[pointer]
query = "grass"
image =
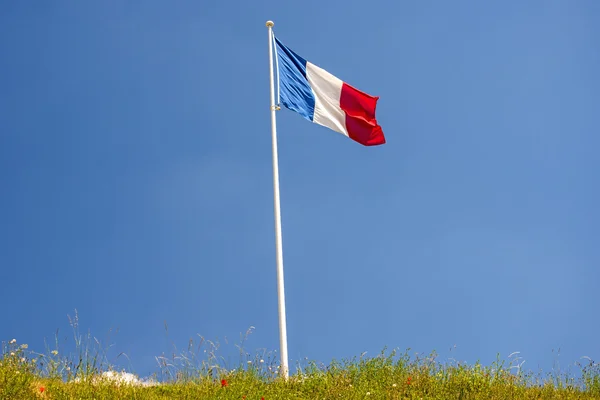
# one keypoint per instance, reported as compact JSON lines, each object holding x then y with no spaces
{"x":199,"y":373}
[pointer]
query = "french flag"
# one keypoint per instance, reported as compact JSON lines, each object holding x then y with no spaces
{"x":325,"y":99}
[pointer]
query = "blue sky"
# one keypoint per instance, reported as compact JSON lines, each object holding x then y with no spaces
{"x":135,"y":166}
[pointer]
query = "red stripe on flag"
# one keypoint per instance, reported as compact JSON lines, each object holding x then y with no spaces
{"x":360,"y":116}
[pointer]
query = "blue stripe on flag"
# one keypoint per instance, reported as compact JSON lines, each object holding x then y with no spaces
{"x":294,"y":91}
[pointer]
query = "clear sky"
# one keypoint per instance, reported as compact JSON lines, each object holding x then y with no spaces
{"x":136,"y":186}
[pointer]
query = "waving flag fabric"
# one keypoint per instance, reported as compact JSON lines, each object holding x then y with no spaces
{"x":325,"y":99}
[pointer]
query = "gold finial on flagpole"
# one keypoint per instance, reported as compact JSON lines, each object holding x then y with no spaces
{"x":270,"y":24}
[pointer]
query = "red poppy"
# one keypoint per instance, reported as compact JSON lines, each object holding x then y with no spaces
{"x":408,"y":381}
{"x":223,"y":383}
{"x":42,"y":389}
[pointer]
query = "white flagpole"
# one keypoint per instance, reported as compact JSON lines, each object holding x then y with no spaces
{"x":280,"y":288}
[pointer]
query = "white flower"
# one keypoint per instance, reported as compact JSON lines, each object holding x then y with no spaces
{"x":262,"y":361}
{"x":249,"y":362}
{"x":12,"y":353}
{"x":24,"y":346}
{"x":55,"y":352}
{"x":368,"y":393}
{"x":394,"y":385}
{"x":23,"y":359}
{"x":13,"y":341}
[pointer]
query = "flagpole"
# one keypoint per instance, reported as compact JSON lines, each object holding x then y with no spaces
{"x":277,"y":208}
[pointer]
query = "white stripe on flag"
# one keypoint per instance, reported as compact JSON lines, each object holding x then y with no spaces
{"x":327,"y":90}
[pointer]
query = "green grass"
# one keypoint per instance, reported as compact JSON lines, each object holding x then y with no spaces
{"x":199,"y":373}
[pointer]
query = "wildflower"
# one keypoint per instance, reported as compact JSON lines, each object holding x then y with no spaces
{"x":262,"y":361}
{"x":223,"y":382}
{"x":408,"y":381}
{"x":55,"y":352}
{"x":22,"y":359}
{"x":24,"y":346}
{"x":13,"y":341}
{"x":394,"y":385}
{"x":249,"y":362}
{"x":368,"y":393}
{"x":34,"y":361}
{"x":12,"y":353}
{"x":42,"y":389}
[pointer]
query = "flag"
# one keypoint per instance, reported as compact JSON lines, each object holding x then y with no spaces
{"x":325,"y":99}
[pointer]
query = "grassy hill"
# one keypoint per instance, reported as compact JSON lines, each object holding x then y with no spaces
{"x":87,"y":375}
